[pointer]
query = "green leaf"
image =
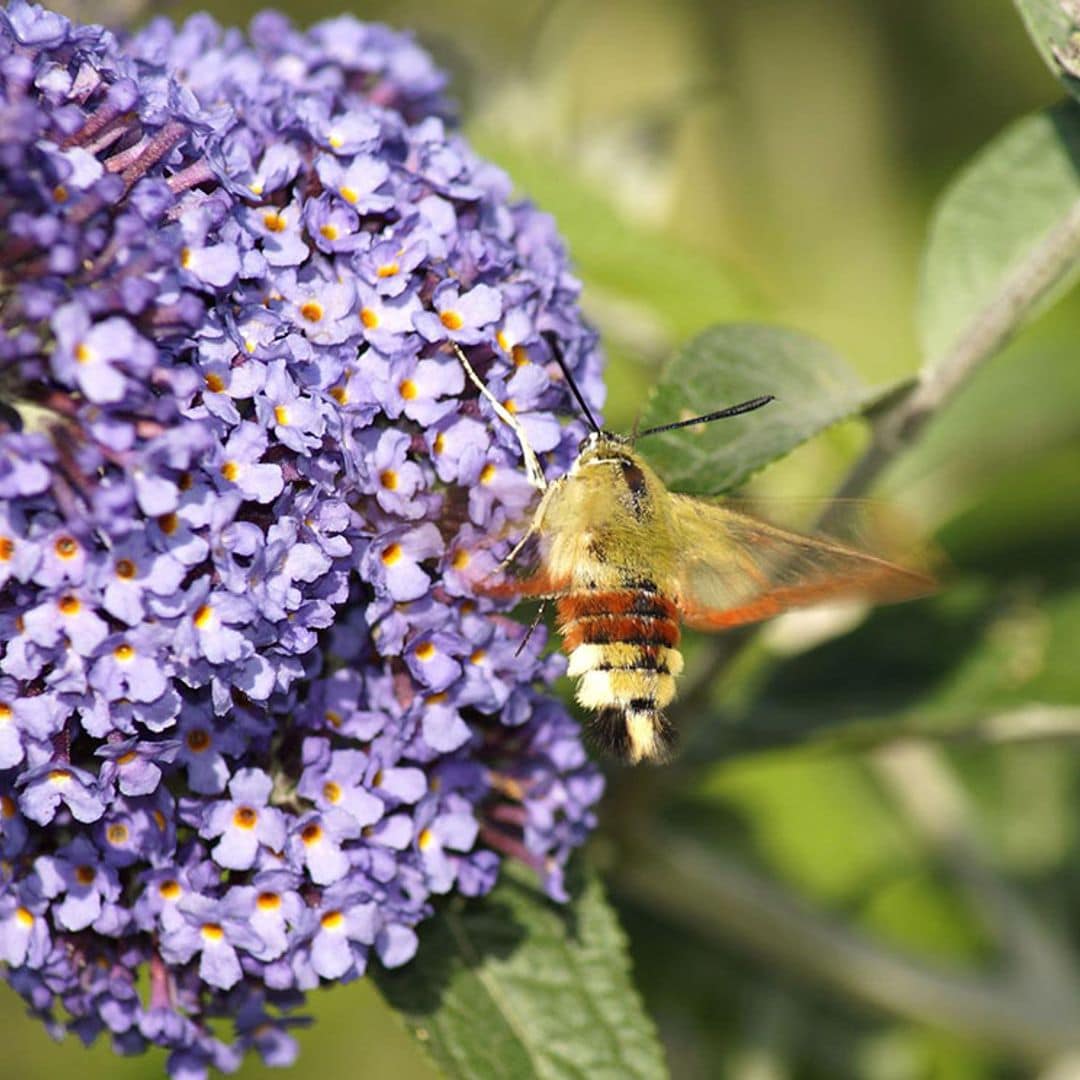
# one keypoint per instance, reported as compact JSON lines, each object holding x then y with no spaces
{"x":813,"y":386}
{"x":515,"y":986}
{"x":1051,"y":28}
{"x":991,"y":224}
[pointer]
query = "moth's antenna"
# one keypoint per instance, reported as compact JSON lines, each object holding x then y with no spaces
{"x":557,"y":353}
{"x":532,"y":464}
{"x":721,"y":414}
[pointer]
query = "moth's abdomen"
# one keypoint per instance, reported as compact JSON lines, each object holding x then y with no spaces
{"x":622,"y":646}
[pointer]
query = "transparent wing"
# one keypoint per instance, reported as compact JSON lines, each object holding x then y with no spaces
{"x":734,"y":569}
{"x":506,"y":562}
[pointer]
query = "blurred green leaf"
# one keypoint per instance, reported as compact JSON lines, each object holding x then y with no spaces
{"x":992,"y":218}
{"x":515,"y":985}
{"x":1050,"y":27}
{"x":814,"y":389}
{"x":637,"y":276}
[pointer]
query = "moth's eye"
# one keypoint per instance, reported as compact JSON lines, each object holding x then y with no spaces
{"x":634,"y":477}
{"x":583,"y":445}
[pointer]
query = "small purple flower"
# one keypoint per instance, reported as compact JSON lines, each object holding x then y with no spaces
{"x":335,"y":779}
{"x":396,"y":944}
{"x":204,"y":748}
{"x":133,"y":765}
{"x":316,"y":844}
{"x":14,"y":831}
{"x":439,"y":835}
{"x":216,"y":931}
{"x":346,"y":928}
{"x":24,"y":719}
{"x":345,"y":133}
{"x":296,"y":419}
{"x":245,"y":822}
{"x":207,"y":626}
{"x":323,"y":310}
{"x":357,"y":183}
{"x":280,"y":231}
{"x":132,"y":666}
{"x":433,"y":661}
{"x":277,"y":909}
{"x":130,"y":572}
{"x":333,"y":226}
{"x":443,"y":728}
{"x":240,"y":465}
{"x":422,"y":389}
{"x":388,"y":266}
{"x":77,"y":874}
{"x":467,"y":318}
{"x":47,"y":787}
{"x":394,"y":478}
{"x":393,"y":563}
{"x":69,"y":616}
{"x":24,"y":929}
{"x":387,"y":321}
{"x":93,"y":357}
{"x":137,"y":829}
{"x":214,"y":264}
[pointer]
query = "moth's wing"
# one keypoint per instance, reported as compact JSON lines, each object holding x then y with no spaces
{"x":732,"y":568}
{"x":509,"y":561}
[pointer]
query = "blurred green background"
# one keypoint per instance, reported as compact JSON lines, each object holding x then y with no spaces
{"x":777,"y":160}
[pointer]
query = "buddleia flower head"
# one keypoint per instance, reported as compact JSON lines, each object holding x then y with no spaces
{"x":253,"y":720}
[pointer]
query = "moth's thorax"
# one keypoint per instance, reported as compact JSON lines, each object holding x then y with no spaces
{"x":606,"y":523}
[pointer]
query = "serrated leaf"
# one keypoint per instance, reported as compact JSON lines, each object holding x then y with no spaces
{"x":1051,"y":27}
{"x":813,"y":386}
{"x":516,"y":986}
{"x":992,"y":222}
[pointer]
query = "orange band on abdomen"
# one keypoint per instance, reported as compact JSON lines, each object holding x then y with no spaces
{"x":616,"y":602}
{"x":623,"y":629}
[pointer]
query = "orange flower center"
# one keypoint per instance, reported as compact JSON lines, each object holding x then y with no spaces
{"x":332,"y":920}
{"x":66,"y":547}
{"x":198,"y":740}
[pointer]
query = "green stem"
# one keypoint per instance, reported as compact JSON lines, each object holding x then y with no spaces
{"x":897,"y":427}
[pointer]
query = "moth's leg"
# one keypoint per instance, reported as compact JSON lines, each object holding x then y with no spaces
{"x":532,"y":627}
{"x":532,"y":464}
{"x":534,"y":525}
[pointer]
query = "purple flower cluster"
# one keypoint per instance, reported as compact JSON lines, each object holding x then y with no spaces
{"x":252,"y":717}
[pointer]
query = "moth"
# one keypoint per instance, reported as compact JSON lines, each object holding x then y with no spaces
{"x":628,"y":563}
